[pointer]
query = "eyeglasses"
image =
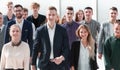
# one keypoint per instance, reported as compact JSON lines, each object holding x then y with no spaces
{"x":17,"y":10}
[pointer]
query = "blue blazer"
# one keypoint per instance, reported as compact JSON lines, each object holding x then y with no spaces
{"x":42,"y":44}
{"x":27,"y":33}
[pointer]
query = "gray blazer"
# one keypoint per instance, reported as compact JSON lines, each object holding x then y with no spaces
{"x":103,"y":35}
{"x":2,"y":34}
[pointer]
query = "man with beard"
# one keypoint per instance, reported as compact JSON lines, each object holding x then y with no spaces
{"x":26,"y":27}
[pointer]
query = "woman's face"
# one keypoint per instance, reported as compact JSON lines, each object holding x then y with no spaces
{"x":15,"y":33}
{"x":83,"y":33}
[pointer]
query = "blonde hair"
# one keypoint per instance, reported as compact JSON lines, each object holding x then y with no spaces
{"x":90,"y":40}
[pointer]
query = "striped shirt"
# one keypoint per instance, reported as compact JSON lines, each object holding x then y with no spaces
{"x":94,"y":27}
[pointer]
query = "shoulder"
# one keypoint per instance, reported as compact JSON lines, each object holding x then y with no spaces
{"x":76,"y":43}
{"x":25,"y":44}
{"x":40,"y":15}
{"x":42,"y":27}
{"x":95,"y":22}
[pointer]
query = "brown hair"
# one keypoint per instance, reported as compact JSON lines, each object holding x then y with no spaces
{"x":76,"y":15}
{"x":52,"y":8}
{"x":34,"y":4}
{"x":90,"y":40}
{"x":25,"y":9}
{"x":70,"y":8}
{"x":10,"y":3}
{"x":114,"y":8}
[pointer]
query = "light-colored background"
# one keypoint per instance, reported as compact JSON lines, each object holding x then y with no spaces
{"x":100,"y":9}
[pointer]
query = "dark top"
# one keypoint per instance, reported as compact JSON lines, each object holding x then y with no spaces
{"x":112,"y":53}
{"x":27,"y":33}
{"x":42,"y":44}
{"x":75,"y":56}
{"x":40,"y":20}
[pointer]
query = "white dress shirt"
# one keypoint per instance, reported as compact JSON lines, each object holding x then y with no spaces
{"x":83,"y":63}
{"x":51,"y":33}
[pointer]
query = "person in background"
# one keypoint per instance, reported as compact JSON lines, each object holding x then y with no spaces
{"x":36,"y":18}
{"x":63,"y":20}
{"x":106,"y":30}
{"x":52,"y":42}
{"x":70,"y":25}
{"x":25,"y":26}
{"x":16,"y":53}
{"x":25,"y":15}
{"x":79,"y":17}
{"x":112,"y":49}
{"x":10,"y":15}
{"x":83,"y":52}
{"x":2,"y":32}
{"x":93,"y":25}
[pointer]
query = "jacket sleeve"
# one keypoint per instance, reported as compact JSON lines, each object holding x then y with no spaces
{"x":107,"y":54}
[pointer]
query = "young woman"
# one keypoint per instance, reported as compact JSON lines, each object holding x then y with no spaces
{"x":16,"y":53}
{"x":83,"y":51}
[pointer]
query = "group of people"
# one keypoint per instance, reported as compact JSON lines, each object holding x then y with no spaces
{"x":69,"y":45}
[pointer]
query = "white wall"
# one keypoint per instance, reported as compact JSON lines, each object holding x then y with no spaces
{"x":103,"y":9}
{"x":59,"y":4}
{"x":100,"y":7}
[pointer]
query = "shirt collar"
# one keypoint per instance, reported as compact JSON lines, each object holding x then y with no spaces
{"x":53,"y":27}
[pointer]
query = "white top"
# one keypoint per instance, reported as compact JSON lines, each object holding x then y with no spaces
{"x":20,"y":24}
{"x":83,"y":58}
{"x":51,"y":33}
{"x":1,"y":27}
{"x":111,"y":29}
{"x":15,"y":57}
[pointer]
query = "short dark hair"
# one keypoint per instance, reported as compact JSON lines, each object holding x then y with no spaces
{"x":88,"y":8}
{"x":114,"y":8}
{"x":52,"y":8}
{"x":18,"y":5}
{"x":1,"y":13}
{"x":70,"y":8}
{"x":117,"y":21}
{"x":25,"y":9}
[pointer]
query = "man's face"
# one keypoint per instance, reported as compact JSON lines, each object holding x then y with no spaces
{"x":51,"y":15}
{"x":117,"y":30}
{"x":18,"y":12}
{"x":10,"y":7}
{"x":113,"y":14}
{"x":69,"y":15}
{"x":35,"y":10}
{"x":88,"y":13}
{"x":25,"y":14}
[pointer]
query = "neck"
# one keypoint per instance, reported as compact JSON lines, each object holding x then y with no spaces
{"x":84,"y":42}
{"x":113,"y":21}
{"x":51,"y":24}
{"x":88,"y":20}
{"x":35,"y":15}
{"x":19,"y":20}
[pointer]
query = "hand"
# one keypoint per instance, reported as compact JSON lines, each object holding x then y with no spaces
{"x":30,"y":60}
{"x":33,"y":67}
{"x":112,"y":69}
{"x":58,"y":60}
{"x":99,"y":55}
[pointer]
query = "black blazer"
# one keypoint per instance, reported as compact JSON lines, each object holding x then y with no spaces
{"x":27,"y":33}
{"x":42,"y":44}
{"x":75,"y":56}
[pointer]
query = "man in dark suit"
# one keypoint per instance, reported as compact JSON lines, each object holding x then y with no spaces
{"x":26,"y":27}
{"x":52,"y":42}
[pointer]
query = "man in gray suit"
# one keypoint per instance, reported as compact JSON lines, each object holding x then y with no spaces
{"x":106,"y":30}
{"x":2,"y":30}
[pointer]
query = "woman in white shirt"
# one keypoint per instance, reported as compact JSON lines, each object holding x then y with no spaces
{"x":16,"y":53}
{"x":83,"y":51}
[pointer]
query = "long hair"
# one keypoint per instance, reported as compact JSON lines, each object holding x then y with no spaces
{"x":90,"y":40}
